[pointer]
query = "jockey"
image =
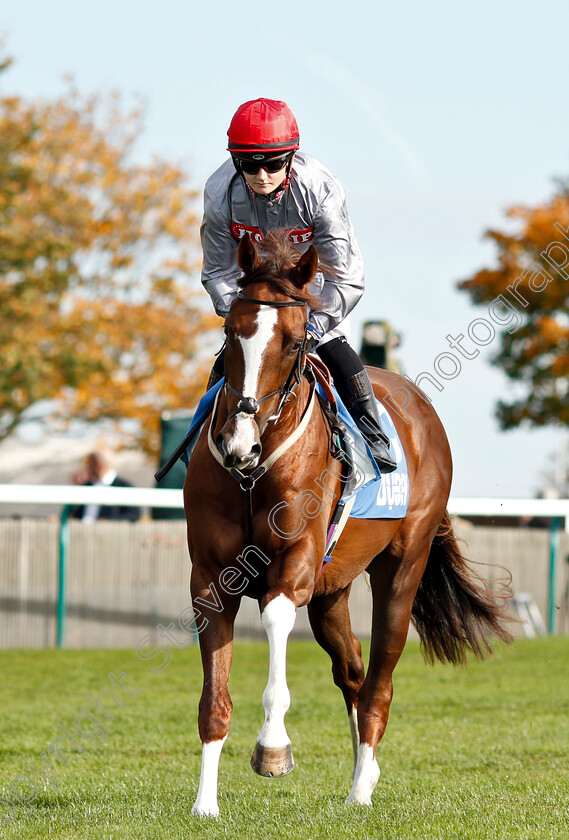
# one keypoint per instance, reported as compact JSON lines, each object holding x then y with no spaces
{"x":268,"y":184}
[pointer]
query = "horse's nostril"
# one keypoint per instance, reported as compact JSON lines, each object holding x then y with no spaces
{"x":256,"y":449}
{"x":219,"y":442}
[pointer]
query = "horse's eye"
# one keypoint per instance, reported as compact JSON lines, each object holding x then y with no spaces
{"x":296,"y":346}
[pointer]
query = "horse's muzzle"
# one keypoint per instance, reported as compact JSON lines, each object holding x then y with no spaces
{"x":234,"y":455}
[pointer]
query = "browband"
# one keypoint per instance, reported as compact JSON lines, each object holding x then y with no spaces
{"x":276,"y":304}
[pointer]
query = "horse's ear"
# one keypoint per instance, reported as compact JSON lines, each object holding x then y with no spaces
{"x":247,"y":257}
{"x":305,"y":268}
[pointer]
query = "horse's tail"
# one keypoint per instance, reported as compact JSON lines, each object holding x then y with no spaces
{"x":454,"y":608}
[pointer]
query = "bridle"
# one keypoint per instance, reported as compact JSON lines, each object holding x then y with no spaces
{"x":250,"y":405}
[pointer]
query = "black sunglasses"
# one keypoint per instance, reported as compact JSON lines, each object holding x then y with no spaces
{"x":272,"y":166}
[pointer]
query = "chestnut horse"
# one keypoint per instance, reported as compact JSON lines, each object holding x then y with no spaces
{"x":266,"y":409}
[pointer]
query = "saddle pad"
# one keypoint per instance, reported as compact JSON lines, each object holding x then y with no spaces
{"x":387,"y":495}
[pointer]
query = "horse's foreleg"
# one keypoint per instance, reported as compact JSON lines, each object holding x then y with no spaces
{"x":394,"y":582}
{"x":206,"y":800}
{"x":272,"y":755}
{"x":216,"y":645}
{"x":330,"y":621}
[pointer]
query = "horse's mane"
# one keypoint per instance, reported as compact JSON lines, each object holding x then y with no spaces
{"x":279,"y":254}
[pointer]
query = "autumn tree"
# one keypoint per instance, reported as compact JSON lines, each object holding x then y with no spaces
{"x":531,"y":276}
{"x":98,"y":255}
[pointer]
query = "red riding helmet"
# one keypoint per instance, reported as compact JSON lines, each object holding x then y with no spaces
{"x":263,"y":125}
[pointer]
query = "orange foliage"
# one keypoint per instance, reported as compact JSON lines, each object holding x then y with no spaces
{"x":535,"y":280}
{"x":98,"y":257}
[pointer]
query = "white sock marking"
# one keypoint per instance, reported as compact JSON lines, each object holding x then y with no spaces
{"x":206,"y":800}
{"x":353,"y":719}
{"x":365,"y":777}
{"x":278,"y":620}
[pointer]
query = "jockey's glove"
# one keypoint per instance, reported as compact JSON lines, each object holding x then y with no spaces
{"x":313,"y":337}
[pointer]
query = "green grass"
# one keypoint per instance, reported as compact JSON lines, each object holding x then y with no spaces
{"x":479,"y":752}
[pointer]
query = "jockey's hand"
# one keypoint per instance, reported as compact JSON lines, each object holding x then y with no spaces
{"x":313,"y":337}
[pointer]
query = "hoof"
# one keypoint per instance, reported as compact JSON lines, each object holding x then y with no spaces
{"x":272,"y":761}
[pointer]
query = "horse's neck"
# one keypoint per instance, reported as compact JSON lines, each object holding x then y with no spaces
{"x":292,"y":414}
{"x":315,"y":437}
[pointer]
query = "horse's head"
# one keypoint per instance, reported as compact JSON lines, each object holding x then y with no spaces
{"x":265,"y":339}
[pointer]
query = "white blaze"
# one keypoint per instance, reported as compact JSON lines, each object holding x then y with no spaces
{"x":243,"y":438}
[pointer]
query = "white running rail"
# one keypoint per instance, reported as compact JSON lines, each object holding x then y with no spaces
{"x":63,"y":494}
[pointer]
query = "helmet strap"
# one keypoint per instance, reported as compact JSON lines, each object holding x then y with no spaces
{"x":289,"y":167}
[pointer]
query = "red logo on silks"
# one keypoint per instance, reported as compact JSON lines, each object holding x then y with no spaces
{"x":300,"y":236}
{"x":238,"y":231}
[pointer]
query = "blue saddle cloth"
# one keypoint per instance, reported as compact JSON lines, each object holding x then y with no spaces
{"x":381,"y":496}
{"x":378,"y":496}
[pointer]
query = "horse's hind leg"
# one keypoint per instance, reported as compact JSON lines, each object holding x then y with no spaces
{"x":394,"y":581}
{"x":330,"y":621}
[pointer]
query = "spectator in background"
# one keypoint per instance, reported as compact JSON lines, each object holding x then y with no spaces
{"x":99,"y":471}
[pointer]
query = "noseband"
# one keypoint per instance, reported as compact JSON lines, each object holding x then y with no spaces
{"x":250,"y":405}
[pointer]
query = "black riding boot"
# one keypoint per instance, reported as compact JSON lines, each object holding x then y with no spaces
{"x":217,"y":370}
{"x":363,"y":409}
{"x":214,"y":378}
{"x":355,"y":389}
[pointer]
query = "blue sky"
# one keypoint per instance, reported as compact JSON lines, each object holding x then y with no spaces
{"x":435,"y":117}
